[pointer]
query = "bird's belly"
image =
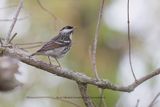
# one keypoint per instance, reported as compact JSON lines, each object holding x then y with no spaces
{"x":57,"y":53}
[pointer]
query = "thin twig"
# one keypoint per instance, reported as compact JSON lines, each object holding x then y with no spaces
{"x":94,"y":49}
{"x":61,"y":97}
{"x":30,"y":43}
{"x":12,"y":37}
{"x":94,"y":46}
{"x":24,"y":56}
{"x":83,"y":91}
{"x":129,"y":41}
{"x":49,"y":12}
{"x":102,"y":98}
{"x":154,"y":100}
{"x":46,"y":10}
{"x":54,"y":98}
{"x":6,"y":7}
{"x":137,"y":104}
{"x":20,"y":5}
{"x":30,"y":47}
{"x":19,"y":19}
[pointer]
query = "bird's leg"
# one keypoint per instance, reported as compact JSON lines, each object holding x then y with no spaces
{"x":49,"y":60}
{"x":59,"y":65}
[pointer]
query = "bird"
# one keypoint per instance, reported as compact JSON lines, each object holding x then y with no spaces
{"x":58,"y":46}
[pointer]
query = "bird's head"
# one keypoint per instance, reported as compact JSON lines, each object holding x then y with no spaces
{"x":67,"y":30}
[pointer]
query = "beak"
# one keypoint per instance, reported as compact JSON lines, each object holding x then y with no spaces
{"x":74,"y":27}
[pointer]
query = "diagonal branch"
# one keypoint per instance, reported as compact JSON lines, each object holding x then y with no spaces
{"x":83,"y":91}
{"x":23,"y":56}
{"x":154,"y":100}
{"x":46,"y":10}
{"x":55,"y":18}
{"x":20,"y":5}
{"x":12,"y":37}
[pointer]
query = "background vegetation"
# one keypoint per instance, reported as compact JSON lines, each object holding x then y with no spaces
{"x":112,"y":50}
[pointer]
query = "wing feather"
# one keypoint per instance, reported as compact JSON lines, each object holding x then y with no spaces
{"x":53,"y":44}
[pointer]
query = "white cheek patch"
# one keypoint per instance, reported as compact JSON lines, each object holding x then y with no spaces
{"x":66,"y":30}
